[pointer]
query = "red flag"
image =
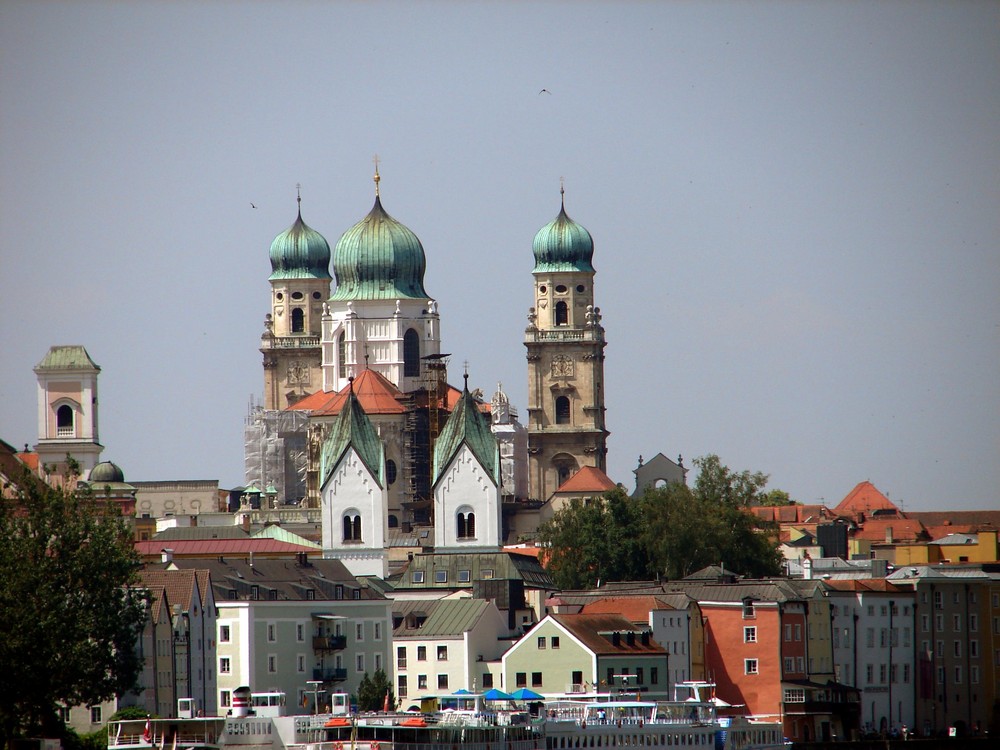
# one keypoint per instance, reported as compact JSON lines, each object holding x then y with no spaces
{"x":147,"y":733}
{"x":385,"y":703}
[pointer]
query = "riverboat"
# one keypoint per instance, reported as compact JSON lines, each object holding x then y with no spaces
{"x":468,"y":723}
{"x":624,"y":720}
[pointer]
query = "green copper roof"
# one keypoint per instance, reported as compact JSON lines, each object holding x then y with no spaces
{"x":67,"y":358}
{"x":300,"y":252}
{"x":467,"y":425}
{"x":563,"y":245}
{"x":379,"y":258}
{"x":352,"y":429}
{"x":106,"y":472}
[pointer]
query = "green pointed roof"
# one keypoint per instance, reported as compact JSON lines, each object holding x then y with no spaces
{"x":467,"y":425}
{"x":563,"y":245}
{"x":353,"y":429}
{"x":300,"y":252}
{"x":379,"y":259}
{"x":67,"y":358}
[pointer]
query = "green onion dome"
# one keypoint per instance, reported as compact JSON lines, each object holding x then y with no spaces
{"x":563,"y":245}
{"x":300,"y":252}
{"x":106,"y":472}
{"x":379,"y":258}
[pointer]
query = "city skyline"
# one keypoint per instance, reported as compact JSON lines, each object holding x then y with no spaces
{"x":793,"y":210}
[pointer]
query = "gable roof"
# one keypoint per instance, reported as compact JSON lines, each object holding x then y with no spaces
{"x":864,"y":498}
{"x":903,"y":530}
{"x":467,"y":426}
{"x":588,"y":479}
{"x":180,"y":586}
{"x":590,"y":630}
{"x":354,"y":430}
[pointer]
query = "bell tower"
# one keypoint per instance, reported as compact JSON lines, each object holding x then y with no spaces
{"x":300,"y":285}
{"x":565,"y":343}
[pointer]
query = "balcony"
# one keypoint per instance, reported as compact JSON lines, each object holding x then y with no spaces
{"x":296,"y":341}
{"x":330,"y":675}
{"x":329,"y":642}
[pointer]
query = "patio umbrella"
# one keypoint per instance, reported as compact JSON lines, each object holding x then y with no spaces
{"x":461,"y":691}
{"x":496,"y":695}
{"x":523,"y":694}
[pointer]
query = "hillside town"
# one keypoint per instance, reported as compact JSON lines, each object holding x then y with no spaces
{"x":389,"y":523}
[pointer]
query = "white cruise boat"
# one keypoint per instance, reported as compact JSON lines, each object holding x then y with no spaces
{"x":624,"y":720}
{"x":256,"y":726}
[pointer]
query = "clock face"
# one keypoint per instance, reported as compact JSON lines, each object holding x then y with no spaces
{"x":297,"y":373}
{"x":562,"y":366}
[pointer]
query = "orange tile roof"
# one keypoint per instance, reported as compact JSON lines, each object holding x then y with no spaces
{"x":635,"y":609}
{"x":375,"y":393}
{"x":588,"y":479}
{"x":589,"y":629}
{"x":28,"y":459}
{"x":216,"y":547}
{"x":903,"y":530}
{"x":864,"y":498}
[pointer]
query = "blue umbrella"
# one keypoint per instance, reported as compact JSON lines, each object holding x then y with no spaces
{"x":523,"y":694}
{"x":496,"y":695}
{"x":461,"y":691}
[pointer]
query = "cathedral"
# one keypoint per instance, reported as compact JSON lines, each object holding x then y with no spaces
{"x":359,"y":418}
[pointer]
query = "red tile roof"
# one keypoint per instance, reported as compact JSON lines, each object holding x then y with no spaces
{"x":864,"y":498}
{"x":903,"y":530}
{"x":589,"y":629}
{"x":223,"y":547}
{"x":635,"y":609}
{"x":28,"y":459}
{"x":588,"y":479}
{"x":376,"y":394}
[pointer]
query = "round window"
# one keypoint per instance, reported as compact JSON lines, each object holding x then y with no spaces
{"x":560,"y":289}
{"x":542,"y":289}
{"x":579,"y":288}
{"x":316,"y":295}
{"x":296,"y":295}
{"x":280,"y":296}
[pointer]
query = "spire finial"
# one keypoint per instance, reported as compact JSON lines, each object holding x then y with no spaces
{"x":298,"y":196}
{"x":366,"y":356}
{"x":562,"y":192}
{"x":350,"y":384}
{"x":376,"y":178}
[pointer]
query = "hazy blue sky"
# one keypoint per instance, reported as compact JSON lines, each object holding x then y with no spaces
{"x":795,"y":209}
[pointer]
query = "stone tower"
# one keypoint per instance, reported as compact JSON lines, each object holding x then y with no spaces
{"x":565,"y":343}
{"x":67,"y":410}
{"x":300,"y":284}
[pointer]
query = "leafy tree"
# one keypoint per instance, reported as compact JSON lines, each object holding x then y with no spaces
{"x":711,"y":523}
{"x":672,"y":531}
{"x":372,"y":692}
{"x":594,"y":541}
{"x":70,"y":620}
{"x":777,"y":498}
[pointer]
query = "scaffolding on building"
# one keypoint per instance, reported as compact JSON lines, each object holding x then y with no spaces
{"x":275,"y":453}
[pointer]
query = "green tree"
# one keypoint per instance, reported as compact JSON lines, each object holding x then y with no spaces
{"x":777,"y":498}
{"x":710,"y":523}
{"x":69,"y":617}
{"x":595,"y":541}
{"x":372,"y":692}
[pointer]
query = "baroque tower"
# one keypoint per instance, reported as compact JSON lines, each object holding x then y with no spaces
{"x":565,"y":343}
{"x":67,"y":410}
{"x":300,"y":284}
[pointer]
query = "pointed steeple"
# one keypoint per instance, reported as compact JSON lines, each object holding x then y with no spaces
{"x":469,"y":426}
{"x":353,"y":429}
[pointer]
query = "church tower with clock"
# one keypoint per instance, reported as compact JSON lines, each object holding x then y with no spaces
{"x":300,"y":285}
{"x":565,"y":343}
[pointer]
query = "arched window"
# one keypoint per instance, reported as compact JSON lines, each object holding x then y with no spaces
{"x":562,"y":314}
{"x":342,"y":355}
{"x":352,"y":528}
{"x":467,"y":525}
{"x":390,"y":471}
{"x":393,"y":522}
{"x":64,"y":421}
{"x":562,"y":410}
{"x":298,"y":320}
{"x":411,"y":354}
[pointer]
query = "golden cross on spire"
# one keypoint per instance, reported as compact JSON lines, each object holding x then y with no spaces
{"x":377,"y":178}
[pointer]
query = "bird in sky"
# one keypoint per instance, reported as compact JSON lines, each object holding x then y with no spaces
{"x":544,"y":91}
{"x":252,"y":205}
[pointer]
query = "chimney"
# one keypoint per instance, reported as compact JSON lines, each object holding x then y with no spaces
{"x":166,"y":555}
{"x":807,"y":568}
{"x":251,"y":558}
{"x":888,"y":534}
